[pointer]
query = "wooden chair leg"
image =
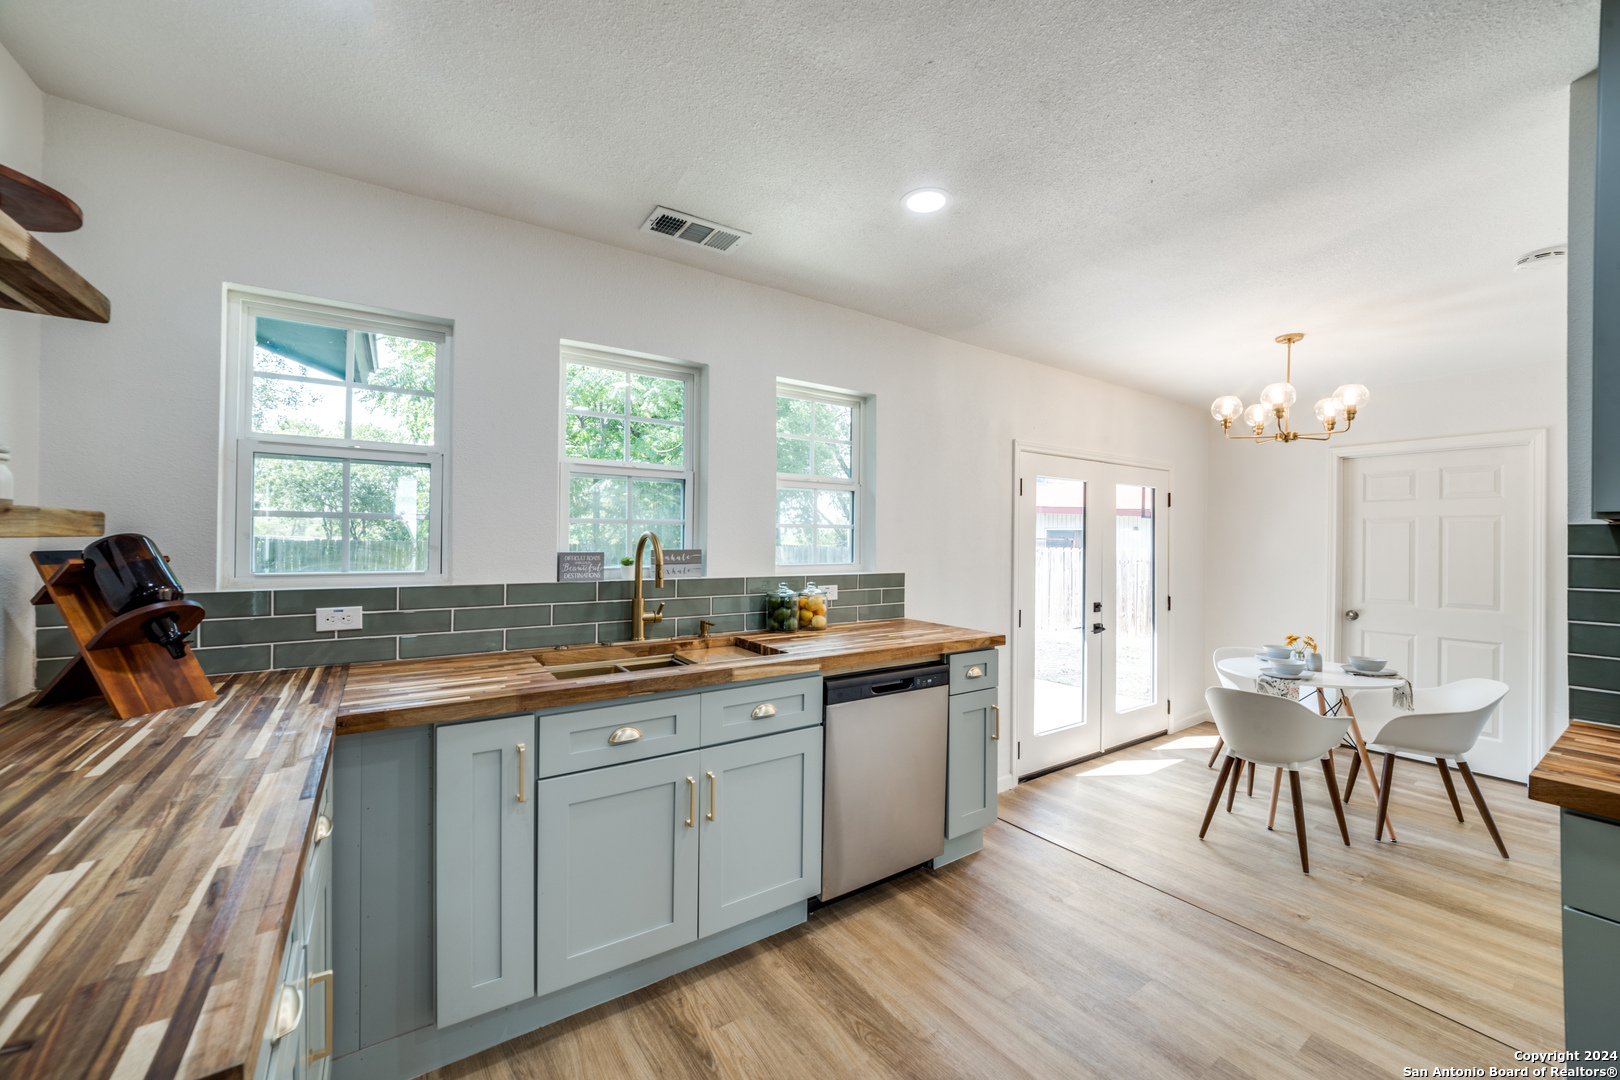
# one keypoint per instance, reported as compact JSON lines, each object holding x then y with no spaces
{"x":1383,"y":797}
{"x":1276,"y":789}
{"x":1333,"y":793}
{"x":1219,"y":743}
{"x":1299,"y":818}
{"x":1451,"y":789}
{"x":1251,"y":779}
{"x":1479,"y":801}
{"x":1237,"y":774}
{"x":1215,"y":797}
{"x":1350,"y":781}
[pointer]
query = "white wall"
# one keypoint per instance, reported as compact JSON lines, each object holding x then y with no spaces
{"x":22,"y":118}
{"x":1268,"y":566}
{"x":131,"y":409}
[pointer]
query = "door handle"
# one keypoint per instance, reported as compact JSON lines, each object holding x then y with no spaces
{"x":521,"y":770}
{"x":712,"y":786}
{"x":1097,"y":628}
{"x":691,"y":806}
{"x":326,"y":978}
{"x":997,"y":710}
{"x":289,"y":1011}
{"x":1352,"y":614}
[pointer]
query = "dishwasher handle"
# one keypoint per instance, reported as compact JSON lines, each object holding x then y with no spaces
{"x":879,"y":689}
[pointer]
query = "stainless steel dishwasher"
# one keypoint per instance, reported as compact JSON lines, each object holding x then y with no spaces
{"x":884,"y":805}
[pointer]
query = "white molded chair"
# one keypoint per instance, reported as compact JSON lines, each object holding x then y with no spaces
{"x":1232,"y":682}
{"x":1445,"y":723}
{"x":1276,"y":733}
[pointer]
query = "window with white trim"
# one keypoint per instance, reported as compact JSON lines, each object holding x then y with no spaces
{"x":336,"y":441}
{"x":630,"y":450}
{"x":818,"y":477}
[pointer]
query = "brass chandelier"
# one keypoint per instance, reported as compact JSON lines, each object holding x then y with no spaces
{"x":1278,"y":398}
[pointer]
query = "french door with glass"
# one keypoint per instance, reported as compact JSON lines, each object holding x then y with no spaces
{"x":1089,"y":583}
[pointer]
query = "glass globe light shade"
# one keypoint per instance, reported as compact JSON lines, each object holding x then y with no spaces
{"x":1256,"y":416}
{"x":1352,"y":395}
{"x":1329,"y":410}
{"x":1279,"y":393}
{"x":1226,"y":409}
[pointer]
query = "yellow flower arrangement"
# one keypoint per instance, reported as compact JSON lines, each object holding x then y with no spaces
{"x":1297,"y":640}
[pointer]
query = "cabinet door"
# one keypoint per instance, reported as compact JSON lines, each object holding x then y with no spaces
{"x":484,"y":800}
{"x":618,"y":856}
{"x":1591,"y":982}
{"x":317,"y":899}
{"x":970,"y":788}
{"x":760,"y":806}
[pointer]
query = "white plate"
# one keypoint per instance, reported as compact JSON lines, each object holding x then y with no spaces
{"x":1274,"y":674}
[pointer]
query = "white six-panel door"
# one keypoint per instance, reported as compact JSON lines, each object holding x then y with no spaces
{"x":1436,"y":576}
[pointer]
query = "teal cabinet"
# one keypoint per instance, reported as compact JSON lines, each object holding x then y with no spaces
{"x":296,"y":1042}
{"x":752,"y":710}
{"x":1591,"y":958}
{"x":484,"y":803}
{"x":760,"y":836}
{"x":612,"y":734}
{"x":970,"y":780}
{"x":618,"y":867}
{"x":972,"y":671}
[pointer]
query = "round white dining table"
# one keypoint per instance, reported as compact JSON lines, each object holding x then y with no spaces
{"x":1331,"y":677}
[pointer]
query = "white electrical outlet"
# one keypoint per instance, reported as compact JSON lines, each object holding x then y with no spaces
{"x":831,"y":591}
{"x":339,"y":618}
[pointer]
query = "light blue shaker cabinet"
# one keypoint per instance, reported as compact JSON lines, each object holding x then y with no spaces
{"x":970,"y":787}
{"x":618,"y":866}
{"x":760,"y":827}
{"x":484,"y":806}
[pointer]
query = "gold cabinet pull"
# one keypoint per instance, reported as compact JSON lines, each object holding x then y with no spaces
{"x":624,"y":734}
{"x":996,"y":734}
{"x":521,"y":770}
{"x":712,"y":786}
{"x":326,"y":1049}
{"x":691,"y":806}
{"x":289,"y":1011}
{"x":975,"y":672}
{"x":762,"y":711}
{"x":323,"y":828}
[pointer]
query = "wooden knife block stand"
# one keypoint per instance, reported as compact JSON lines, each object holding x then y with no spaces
{"x":115,"y":658}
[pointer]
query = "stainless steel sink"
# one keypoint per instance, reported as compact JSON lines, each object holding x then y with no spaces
{"x":613,"y":667}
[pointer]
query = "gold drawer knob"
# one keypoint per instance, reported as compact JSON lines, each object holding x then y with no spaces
{"x":762,"y":711}
{"x":975,"y":672}
{"x":624,"y":735}
{"x":323,"y":828}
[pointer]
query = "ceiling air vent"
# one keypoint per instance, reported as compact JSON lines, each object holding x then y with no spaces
{"x":679,"y":226}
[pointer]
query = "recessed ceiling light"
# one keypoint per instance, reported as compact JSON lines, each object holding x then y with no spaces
{"x":924,"y":200}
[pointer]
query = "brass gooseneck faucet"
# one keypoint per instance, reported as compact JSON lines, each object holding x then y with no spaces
{"x":639,"y":615}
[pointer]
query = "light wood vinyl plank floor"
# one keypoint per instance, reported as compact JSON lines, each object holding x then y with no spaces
{"x":1091,"y":939}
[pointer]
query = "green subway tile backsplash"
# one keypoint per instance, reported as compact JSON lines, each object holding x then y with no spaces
{"x":1593,"y":706}
{"x":1593,"y":672}
{"x":1594,"y":573}
{"x":263,"y":629}
{"x":1594,"y":539}
{"x":1592,"y":606}
{"x":1594,"y":640}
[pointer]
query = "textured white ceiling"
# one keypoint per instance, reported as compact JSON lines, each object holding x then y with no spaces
{"x":1143,"y":190}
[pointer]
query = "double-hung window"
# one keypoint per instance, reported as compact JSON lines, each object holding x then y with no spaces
{"x":818,"y":477}
{"x":337,"y":442}
{"x":630,"y":430}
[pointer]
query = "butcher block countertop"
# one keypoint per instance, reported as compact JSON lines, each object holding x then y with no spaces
{"x":149,"y":867}
{"x":1582,"y":770}
{"x":407,"y":692}
{"x":148,"y":871}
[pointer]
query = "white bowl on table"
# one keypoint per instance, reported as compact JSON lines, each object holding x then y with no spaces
{"x":1287,"y":668}
{"x":1279,"y":652}
{"x":1367,"y":665}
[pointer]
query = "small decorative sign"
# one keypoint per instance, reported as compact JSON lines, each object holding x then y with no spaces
{"x":683,"y":562}
{"x":579,"y":566}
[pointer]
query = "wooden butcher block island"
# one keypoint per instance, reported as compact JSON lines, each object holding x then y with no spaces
{"x":165,"y":896}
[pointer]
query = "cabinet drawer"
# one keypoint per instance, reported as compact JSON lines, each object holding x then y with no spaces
{"x":572,"y":741}
{"x":973,"y":670}
{"x":1591,"y":981}
{"x":1591,"y":865}
{"x":741,"y":712}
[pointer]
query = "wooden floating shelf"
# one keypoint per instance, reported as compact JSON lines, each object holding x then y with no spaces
{"x":32,"y":278}
{"x":49,"y":521}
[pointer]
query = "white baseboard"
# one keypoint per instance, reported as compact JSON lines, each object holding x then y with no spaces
{"x":1006,"y":782}
{"x":1191,"y":721}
